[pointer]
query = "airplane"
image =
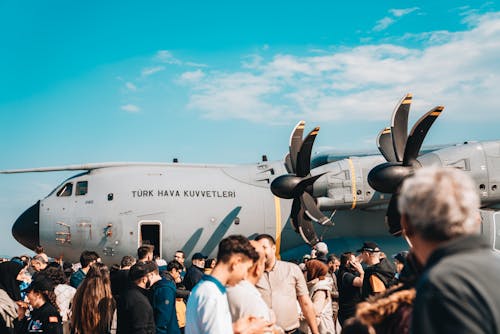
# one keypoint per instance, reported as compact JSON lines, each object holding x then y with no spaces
{"x":114,"y":208}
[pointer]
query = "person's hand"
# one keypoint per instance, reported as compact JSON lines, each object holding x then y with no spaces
{"x":252,"y":325}
{"x":357,"y":266}
{"x":21,"y":309}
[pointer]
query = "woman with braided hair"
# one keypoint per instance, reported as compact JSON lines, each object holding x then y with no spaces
{"x":93,"y":306}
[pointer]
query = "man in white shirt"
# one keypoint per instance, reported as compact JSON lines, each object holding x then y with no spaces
{"x":207,"y":309}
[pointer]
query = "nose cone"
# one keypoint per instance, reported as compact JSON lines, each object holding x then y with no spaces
{"x":26,"y":228}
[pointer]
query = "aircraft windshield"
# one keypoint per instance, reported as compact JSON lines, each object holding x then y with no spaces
{"x":81,"y":188}
{"x":66,"y":190}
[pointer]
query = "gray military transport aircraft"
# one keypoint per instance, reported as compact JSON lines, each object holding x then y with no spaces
{"x":115,"y":207}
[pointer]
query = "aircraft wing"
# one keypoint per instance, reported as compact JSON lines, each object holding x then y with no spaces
{"x":92,"y":166}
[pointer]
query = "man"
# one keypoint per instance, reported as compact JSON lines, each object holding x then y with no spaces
{"x":195,"y":272}
{"x":458,"y":290}
{"x":135,"y":313}
{"x":163,"y":301}
{"x":281,"y":286}
{"x":39,"y":264}
{"x":145,"y":253}
{"x":119,"y":278}
{"x":320,"y":251}
{"x":333,"y":264}
{"x":207,"y":309}
{"x":379,"y":273}
{"x":86,"y":259}
{"x":244,"y":298}
{"x":180,"y":257}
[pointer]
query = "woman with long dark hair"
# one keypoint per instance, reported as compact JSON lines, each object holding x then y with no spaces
{"x":93,"y":304}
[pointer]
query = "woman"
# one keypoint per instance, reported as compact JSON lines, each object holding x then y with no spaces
{"x":44,"y":316}
{"x":10,"y":294}
{"x":93,"y":304}
{"x":64,"y":293}
{"x":320,"y":287}
{"x":349,"y":281}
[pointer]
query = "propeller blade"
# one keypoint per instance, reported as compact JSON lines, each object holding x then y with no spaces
{"x":384,"y":144}
{"x":288,"y":163}
{"x":312,"y":211}
{"x":294,"y":215}
{"x":392,"y":217}
{"x":399,"y":126}
{"x":306,"y":229}
{"x":418,"y":133}
{"x":295,"y":143}
{"x":303,"y":164}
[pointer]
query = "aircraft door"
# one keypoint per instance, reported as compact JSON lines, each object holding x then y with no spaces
{"x":150,"y":233}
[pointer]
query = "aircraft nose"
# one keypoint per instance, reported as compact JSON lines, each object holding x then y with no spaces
{"x":26,"y":228}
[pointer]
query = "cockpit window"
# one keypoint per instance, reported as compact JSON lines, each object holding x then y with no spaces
{"x":66,"y":190}
{"x":81,"y":188}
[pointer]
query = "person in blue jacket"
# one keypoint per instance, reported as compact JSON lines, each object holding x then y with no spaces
{"x":162,"y":297}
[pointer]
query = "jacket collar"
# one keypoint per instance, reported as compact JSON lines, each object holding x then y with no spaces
{"x":455,"y":246}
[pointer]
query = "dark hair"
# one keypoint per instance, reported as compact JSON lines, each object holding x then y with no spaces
{"x":331,"y":258}
{"x":22,"y":262}
{"x":182,"y":252}
{"x":174,"y":264}
{"x":236,"y":244}
{"x":345,"y":258}
{"x":56,"y":275}
{"x":265,"y":236}
{"x":208,"y":263}
{"x":87,"y":257}
{"x":144,"y":250}
{"x":39,"y":249}
{"x":127,"y":261}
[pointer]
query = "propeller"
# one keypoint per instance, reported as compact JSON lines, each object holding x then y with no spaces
{"x":401,"y":151}
{"x":298,"y":185}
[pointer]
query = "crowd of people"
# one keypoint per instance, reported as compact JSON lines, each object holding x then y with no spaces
{"x":446,"y":283}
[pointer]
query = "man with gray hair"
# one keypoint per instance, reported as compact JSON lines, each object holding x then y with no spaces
{"x":458,"y":290}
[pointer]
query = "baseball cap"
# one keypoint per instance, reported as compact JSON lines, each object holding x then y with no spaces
{"x":141,"y":269}
{"x":401,"y":256}
{"x":198,"y":256}
{"x":321,"y":247}
{"x":40,"y":283}
{"x":369,"y":247}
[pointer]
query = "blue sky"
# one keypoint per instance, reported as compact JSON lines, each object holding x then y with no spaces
{"x":225,"y":81}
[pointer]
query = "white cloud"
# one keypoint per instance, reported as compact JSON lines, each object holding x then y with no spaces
{"x":166,"y":57}
{"x":387,"y":21}
{"x":383,"y":24}
{"x":403,"y":11}
{"x":130,"y":108}
{"x":130,"y":86}
{"x":152,"y":70}
{"x":192,"y":76}
{"x":460,"y":70}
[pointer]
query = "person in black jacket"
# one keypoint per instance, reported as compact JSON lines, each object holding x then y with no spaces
{"x":135,"y":313}
{"x":195,"y":272}
{"x":44,"y":317}
{"x":379,"y":273}
{"x":458,"y":290}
